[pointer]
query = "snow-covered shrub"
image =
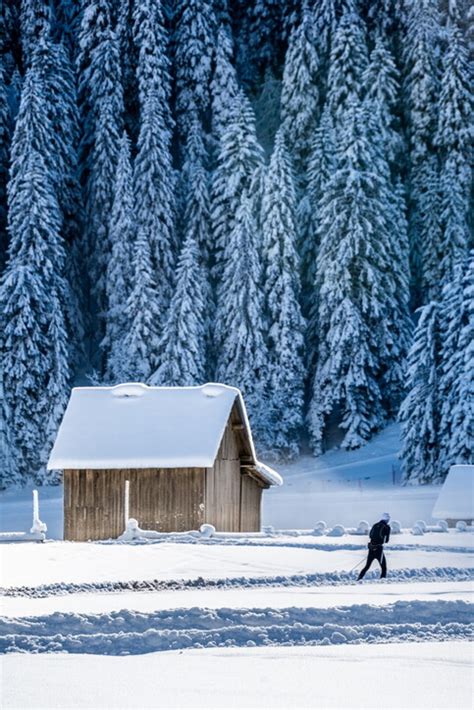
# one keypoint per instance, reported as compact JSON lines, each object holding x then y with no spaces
{"x":443,"y":525}
{"x":337,"y":531}
{"x":268,"y":530}
{"x":461,"y":526}
{"x":421,"y":524}
{"x":363,"y":528}
{"x":417,"y":530}
{"x":207,"y":530}
{"x":320,"y":526}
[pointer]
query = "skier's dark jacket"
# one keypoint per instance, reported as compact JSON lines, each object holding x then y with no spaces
{"x":379,"y":534}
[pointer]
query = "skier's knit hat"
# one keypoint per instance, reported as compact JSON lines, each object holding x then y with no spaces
{"x":386,"y":517}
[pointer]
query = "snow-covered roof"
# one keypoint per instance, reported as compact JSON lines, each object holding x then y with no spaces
{"x":456,"y":498}
{"x":136,"y":426}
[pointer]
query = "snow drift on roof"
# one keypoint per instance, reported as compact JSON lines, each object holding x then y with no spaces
{"x":456,"y":499}
{"x":136,"y":426}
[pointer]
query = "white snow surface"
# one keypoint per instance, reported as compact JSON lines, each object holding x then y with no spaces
{"x":456,"y":498}
{"x":133,"y":425}
{"x":410,"y":676}
{"x":245,"y":621}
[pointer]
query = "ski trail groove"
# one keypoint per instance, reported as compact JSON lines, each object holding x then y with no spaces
{"x":130,"y":632}
{"x":424,"y":574}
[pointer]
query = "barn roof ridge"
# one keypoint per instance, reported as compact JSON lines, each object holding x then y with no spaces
{"x":159,"y":427}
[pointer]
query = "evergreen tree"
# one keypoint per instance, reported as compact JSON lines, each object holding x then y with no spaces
{"x":32,"y":292}
{"x":300,"y":94}
{"x":194,"y":49}
{"x":282,"y":290}
{"x":266,"y":108}
{"x":182,"y":345}
{"x":420,"y":410}
{"x":143,"y":315}
{"x":240,"y":330}
{"x":239,"y":156}
{"x":35,"y":23}
{"x":456,"y":382}
{"x":453,"y":140}
{"x":4,"y":158}
{"x":153,"y":67}
{"x":119,"y":273}
{"x":320,"y":168}
{"x":355,"y":288}
{"x":347,"y":65}
{"x":224,"y":84}
{"x":382,"y":91}
{"x":153,"y":184}
{"x":102,"y":105}
{"x":421,"y":84}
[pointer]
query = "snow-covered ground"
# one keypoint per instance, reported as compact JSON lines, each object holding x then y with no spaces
{"x":261,"y":621}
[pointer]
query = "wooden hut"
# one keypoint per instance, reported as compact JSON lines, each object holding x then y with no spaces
{"x":187,"y":452}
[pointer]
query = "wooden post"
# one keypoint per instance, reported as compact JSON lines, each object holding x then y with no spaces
{"x":127,"y":502}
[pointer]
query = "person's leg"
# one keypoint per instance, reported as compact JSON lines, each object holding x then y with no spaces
{"x":383,"y":564}
{"x":370,"y":559}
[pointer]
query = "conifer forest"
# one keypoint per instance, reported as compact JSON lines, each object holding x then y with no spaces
{"x":272,"y":194}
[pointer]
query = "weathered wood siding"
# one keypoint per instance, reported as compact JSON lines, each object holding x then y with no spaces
{"x":250,"y":504}
{"x":167,"y":500}
{"x":232,"y":500}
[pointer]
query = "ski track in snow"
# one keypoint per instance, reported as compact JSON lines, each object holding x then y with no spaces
{"x":129,"y":632}
{"x":424,"y":574}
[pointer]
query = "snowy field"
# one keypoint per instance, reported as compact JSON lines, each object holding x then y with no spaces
{"x":276,"y":621}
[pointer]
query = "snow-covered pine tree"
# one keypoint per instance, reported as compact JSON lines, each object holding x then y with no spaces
{"x":355,"y":288}
{"x":119,"y":267}
{"x":35,"y":23}
{"x":456,"y":382}
{"x":320,"y":168}
{"x":4,"y":159}
{"x":420,"y":89}
{"x":239,"y":156}
{"x":102,"y":107}
{"x":265,"y":37}
{"x":454,"y":143}
{"x":153,"y":73}
{"x":54,"y":66}
{"x":153,"y":186}
{"x":382,"y":86}
{"x":299,"y":108}
{"x":224,"y":84}
{"x":143,"y":314}
{"x":239,"y":325}
{"x":181,"y":348}
{"x":420,"y":410}
{"x":266,"y":108}
{"x":347,"y":65}
{"x":193,"y":43}
{"x":282,"y":291}
{"x":32,"y":291}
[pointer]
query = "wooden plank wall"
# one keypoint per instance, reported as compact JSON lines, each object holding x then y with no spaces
{"x":250,"y":504}
{"x":167,"y":500}
{"x":222,"y":496}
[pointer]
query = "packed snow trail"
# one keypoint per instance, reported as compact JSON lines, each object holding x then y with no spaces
{"x":454,"y":574}
{"x":131,"y":632}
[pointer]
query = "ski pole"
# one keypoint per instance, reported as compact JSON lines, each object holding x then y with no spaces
{"x":362,"y":560}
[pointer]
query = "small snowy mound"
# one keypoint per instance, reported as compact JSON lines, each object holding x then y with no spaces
{"x":207,"y":530}
{"x":363,"y":528}
{"x":461,"y":525}
{"x":337,"y":531}
{"x":417,"y":530}
{"x":395,"y":527}
{"x":420,"y":524}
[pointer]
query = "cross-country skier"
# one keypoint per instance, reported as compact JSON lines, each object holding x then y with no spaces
{"x":379,"y":534}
